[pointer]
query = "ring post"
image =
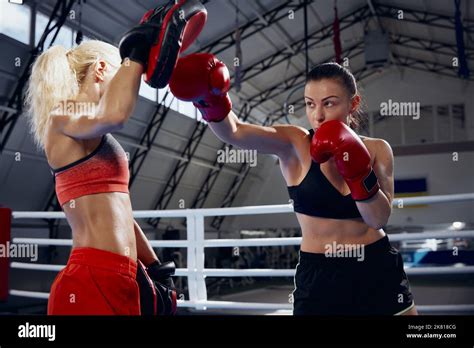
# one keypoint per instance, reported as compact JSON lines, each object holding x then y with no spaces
{"x":199,"y":249}
{"x":191,"y":262}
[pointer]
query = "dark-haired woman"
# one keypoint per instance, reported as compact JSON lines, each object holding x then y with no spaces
{"x":341,"y":185}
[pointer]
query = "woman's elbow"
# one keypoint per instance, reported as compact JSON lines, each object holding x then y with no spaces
{"x":115,"y":121}
{"x":376,"y":226}
{"x":377,"y":222}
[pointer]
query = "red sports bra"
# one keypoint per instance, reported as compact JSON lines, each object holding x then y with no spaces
{"x":104,"y":170}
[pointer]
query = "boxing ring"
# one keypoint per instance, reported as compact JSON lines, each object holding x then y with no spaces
{"x":196,"y":243}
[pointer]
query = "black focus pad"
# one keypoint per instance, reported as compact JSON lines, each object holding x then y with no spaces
{"x":148,"y":299}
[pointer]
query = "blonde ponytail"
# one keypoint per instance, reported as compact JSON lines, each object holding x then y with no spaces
{"x":57,"y":75}
{"x":51,"y":81}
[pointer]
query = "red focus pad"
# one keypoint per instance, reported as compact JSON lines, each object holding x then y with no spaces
{"x":193,"y":28}
{"x":180,"y":27}
{"x":5,"y":225}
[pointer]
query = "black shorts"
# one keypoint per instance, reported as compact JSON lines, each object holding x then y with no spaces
{"x":374,"y":284}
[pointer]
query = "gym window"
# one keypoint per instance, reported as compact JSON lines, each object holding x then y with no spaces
{"x":15,"y":21}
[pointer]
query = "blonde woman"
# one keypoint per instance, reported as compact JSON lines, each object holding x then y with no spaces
{"x":76,"y":98}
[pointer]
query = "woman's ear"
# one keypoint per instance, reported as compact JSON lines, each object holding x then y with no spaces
{"x":99,"y":70}
{"x":355,"y":103}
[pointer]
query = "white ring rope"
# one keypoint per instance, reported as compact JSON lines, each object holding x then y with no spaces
{"x":215,"y":243}
{"x":180,"y":272}
{"x":68,"y":242}
{"x":248,"y":210}
{"x":260,"y":272}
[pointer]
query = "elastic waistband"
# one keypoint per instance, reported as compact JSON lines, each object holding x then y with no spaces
{"x":336,"y":254}
{"x":103,"y":259}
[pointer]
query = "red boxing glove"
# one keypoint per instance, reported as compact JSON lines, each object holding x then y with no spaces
{"x":334,"y":138}
{"x":204,"y":80}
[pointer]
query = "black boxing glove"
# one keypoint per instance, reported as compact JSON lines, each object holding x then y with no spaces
{"x":157,"y":292}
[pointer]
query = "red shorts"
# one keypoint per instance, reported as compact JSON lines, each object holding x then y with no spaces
{"x":95,"y":282}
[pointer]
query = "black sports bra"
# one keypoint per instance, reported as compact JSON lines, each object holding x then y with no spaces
{"x":316,"y":196}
